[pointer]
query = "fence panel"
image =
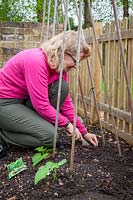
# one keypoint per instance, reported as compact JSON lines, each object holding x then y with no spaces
{"x":114,"y":79}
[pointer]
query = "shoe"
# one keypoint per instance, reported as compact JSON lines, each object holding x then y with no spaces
{"x":2,"y":151}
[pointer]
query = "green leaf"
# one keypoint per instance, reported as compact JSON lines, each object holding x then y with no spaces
{"x":41,"y":149}
{"x":38,"y":157}
{"x":46,"y":169}
{"x":62,"y":162}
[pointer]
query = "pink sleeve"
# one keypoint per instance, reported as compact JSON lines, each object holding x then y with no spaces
{"x":67,"y":110}
{"x":37,"y":75}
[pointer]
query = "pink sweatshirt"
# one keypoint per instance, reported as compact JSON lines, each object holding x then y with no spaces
{"x":28,"y":74}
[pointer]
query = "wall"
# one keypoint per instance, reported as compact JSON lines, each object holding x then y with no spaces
{"x":15,"y":36}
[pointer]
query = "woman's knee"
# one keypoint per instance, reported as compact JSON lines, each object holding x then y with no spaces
{"x":48,"y":137}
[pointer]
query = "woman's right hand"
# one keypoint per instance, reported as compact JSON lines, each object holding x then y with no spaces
{"x":69,"y":130}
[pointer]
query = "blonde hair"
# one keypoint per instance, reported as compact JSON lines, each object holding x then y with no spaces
{"x":53,"y":47}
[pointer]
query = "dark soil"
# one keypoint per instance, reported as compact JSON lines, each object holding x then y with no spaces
{"x":99,"y":174}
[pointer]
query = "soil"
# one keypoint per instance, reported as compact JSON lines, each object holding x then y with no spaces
{"x":99,"y":173}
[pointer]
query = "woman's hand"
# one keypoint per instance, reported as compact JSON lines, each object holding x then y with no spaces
{"x":69,"y":130}
{"x":91,"y":138}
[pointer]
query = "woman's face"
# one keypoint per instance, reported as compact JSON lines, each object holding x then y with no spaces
{"x":70,"y":61}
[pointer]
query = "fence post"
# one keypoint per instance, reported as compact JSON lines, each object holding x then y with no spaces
{"x":97,"y":76}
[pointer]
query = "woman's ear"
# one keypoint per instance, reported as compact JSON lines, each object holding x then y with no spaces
{"x":86,"y":51}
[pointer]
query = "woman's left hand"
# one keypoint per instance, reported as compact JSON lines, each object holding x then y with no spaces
{"x":91,"y":138}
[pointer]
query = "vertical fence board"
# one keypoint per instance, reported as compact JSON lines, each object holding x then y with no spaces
{"x":130,"y":66}
{"x":97,"y":73}
{"x":106,"y":69}
{"x":111,"y":70}
{"x":116,"y":77}
{"x":123,"y":26}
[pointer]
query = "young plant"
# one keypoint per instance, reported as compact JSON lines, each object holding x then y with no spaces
{"x":41,"y":154}
{"x":45,"y":170}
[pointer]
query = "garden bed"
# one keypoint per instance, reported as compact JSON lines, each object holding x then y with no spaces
{"x":99,"y":173}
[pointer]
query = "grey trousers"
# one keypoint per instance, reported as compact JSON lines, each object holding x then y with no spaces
{"x":21,"y":125}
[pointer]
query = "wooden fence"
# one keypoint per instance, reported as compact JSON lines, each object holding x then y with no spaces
{"x":114,"y":79}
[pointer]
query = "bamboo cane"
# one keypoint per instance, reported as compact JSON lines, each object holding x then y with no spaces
{"x":76,"y":89}
{"x":60,"y":80}
{"x":42,"y":31}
